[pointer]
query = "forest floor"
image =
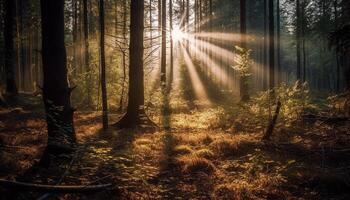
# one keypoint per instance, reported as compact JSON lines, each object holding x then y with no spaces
{"x":188,"y":157}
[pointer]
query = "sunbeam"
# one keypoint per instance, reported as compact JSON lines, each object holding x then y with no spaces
{"x":232,"y":37}
{"x":196,"y":82}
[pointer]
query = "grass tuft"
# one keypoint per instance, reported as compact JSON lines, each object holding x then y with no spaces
{"x":232,"y":191}
{"x":207,"y":140}
{"x":194,"y":164}
{"x":205,"y":153}
{"x":182,"y":150}
{"x":225,"y":147}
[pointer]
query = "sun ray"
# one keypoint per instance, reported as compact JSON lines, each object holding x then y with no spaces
{"x":196,"y":82}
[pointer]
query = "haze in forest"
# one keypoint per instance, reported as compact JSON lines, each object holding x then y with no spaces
{"x":174,"y":99}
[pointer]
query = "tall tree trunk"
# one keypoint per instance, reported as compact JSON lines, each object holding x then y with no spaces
{"x":56,"y":92}
{"x":171,"y":38}
{"x":243,"y":79}
{"x":265,"y":69}
{"x":121,"y":101}
{"x":10,"y":14}
{"x":159,"y":15}
{"x":150,"y":23}
{"x":75,"y":34}
{"x":135,"y":114}
{"x":298,"y":38}
{"x":163,"y":53}
{"x":87,"y":55}
{"x":303,"y":41}
{"x":272,"y":44}
{"x":103,"y":66}
{"x":187,"y":25}
{"x":278,"y":18}
{"x":336,"y":26}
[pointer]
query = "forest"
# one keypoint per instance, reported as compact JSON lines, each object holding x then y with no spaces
{"x":174,"y":99}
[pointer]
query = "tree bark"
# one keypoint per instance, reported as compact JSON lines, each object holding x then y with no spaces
{"x":243,"y":78}
{"x":171,"y":38}
{"x":278,"y":18}
{"x":272,"y":44}
{"x":163,"y":53}
{"x":103,"y":66}
{"x":272,"y":124}
{"x":87,"y":55}
{"x":265,"y":60}
{"x":121,"y":101}
{"x":10,"y":14}
{"x":135,"y":115}
{"x":298,"y":38}
{"x":56,"y":92}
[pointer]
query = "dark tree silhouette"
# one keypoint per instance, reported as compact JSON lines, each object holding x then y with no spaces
{"x":103,"y":66}
{"x":56,"y":92}
{"x":272,"y":43}
{"x":87,"y":54}
{"x":243,"y":79}
{"x":10,"y":14}
{"x":163,"y":53}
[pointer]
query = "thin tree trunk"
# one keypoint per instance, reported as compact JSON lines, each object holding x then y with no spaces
{"x":243,"y":80}
{"x":265,"y":69}
{"x":163,"y":53}
{"x":171,"y":37}
{"x":187,"y":28}
{"x":298,"y":38}
{"x":272,"y":44}
{"x":278,"y":18}
{"x":75,"y":34}
{"x":335,"y":4}
{"x":87,"y":55}
{"x":159,"y":15}
{"x":103,"y":66}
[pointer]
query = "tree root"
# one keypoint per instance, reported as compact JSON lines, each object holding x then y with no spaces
{"x":53,"y":188}
{"x":142,"y":121}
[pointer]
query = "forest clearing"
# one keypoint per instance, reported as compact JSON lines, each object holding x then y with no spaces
{"x":174,"y":99}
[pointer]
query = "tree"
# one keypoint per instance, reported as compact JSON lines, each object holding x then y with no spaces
{"x":265,"y":60}
{"x":87,"y":54}
{"x":243,"y":78}
{"x":103,"y":66}
{"x":171,"y":36}
{"x":10,"y":13}
{"x":56,"y":92}
{"x":298,"y":38}
{"x":135,"y":115}
{"x":272,"y":44}
{"x":278,"y":18}
{"x":163,"y":53}
{"x":121,"y":101}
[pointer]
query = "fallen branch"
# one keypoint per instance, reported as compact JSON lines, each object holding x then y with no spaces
{"x":269,"y":131}
{"x":53,"y":188}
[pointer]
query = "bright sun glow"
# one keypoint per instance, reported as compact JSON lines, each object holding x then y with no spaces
{"x":177,"y":34}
